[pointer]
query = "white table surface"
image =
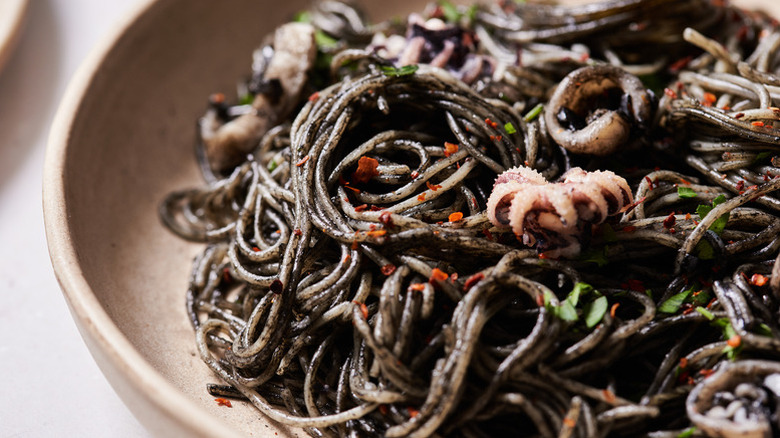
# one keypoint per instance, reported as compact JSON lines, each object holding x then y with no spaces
{"x":51,"y":387}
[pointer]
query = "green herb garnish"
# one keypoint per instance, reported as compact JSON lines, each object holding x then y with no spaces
{"x":509,"y":128}
{"x":686,"y":192}
{"x":673,"y":304}
{"x":400,"y":71}
{"x":534,"y":113}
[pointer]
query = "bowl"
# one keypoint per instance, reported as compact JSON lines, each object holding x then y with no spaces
{"x":12,"y":16}
{"x":122,"y":139}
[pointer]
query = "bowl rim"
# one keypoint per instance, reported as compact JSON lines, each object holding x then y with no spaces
{"x":96,"y":327}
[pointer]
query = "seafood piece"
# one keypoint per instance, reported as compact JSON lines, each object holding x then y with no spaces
{"x":740,"y":399}
{"x":552,"y":216}
{"x":286,"y":66}
{"x":596,"y":109}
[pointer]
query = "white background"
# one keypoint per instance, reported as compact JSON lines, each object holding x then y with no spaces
{"x":49,"y":384}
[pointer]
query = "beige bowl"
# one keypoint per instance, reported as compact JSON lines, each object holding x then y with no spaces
{"x":122,"y":139}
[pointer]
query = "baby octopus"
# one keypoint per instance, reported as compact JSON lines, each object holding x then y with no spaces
{"x":553,"y":216}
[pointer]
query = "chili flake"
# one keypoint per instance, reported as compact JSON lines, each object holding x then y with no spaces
{"x":388,"y":269}
{"x":669,"y":221}
{"x":474,"y":279}
{"x":433,"y":187}
{"x":613,"y":309}
{"x":421,"y":197}
{"x":734,"y":341}
{"x":314,"y":96}
{"x":376,"y":233}
{"x":758,"y":280}
{"x":223,"y":402}
{"x":302,"y":162}
{"x":491,"y":123}
{"x":454,"y":217}
{"x":386,"y":218}
{"x":363,"y":309}
{"x":438,"y":275}
{"x":419,"y":287}
{"x":450,"y":148}
{"x":366,"y":169}
{"x":757,"y":123}
{"x":360,"y":208}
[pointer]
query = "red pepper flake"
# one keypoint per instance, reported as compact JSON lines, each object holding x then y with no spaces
{"x":669,"y":221}
{"x":450,"y":148}
{"x":540,"y":300}
{"x":418,"y":287}
{"x":366,"y":169}
{"x":670,"y":93}
{"x":569,"y":422}
{"x":421,"y":197}
{"x":454,"y":217}
{"x":217,"y":98}
{"x":276,"y":286}
{"x":707,"y":372}
{"x":363,"y":309}
{"x":412,"y":412}
{"x":376,"y":233}
{"x":438,"y":275}
{"x":683,"y":362}
{"x":383,"y":409}
{"x":496,"y":137}
{"x":297,"y":232}
{"x":354,"y":245}
{"x":388,"y":269}
{"x":739,"y":115}
{"x":687,"y":216}
{"x":226,"y":277}
{"x":474,"y":279}
{"x":491,"y":123}
{"x":433,"y":187}
{"x":360,"y":208}
{"x":314,"y":96}
{"x":740,"y":185}
{"x":609,"y":396}
{"x":223,"y":402}
{"x":356,"y":190}
{"x":649,"y":182}
{"x":584,"y":57}
{"x":758,"y":280}
{"x":346,"y":258}
{"x":302,"y":162}
{"x":688,"y":309}
{"x":757,"y":123}
{"x":629,"y":229}
{"x":734,"y":341}
{"x":709,"y":99}
{"x":712,"y":301}
{"x":488,"y":234}
{"x":680,"y":64}
{"x":613,"y":309}
{"x":414,"y":174}
{"x":255,"y":249}
{"x":386,"y":218}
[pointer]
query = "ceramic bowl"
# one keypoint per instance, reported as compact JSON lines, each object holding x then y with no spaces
{"x":123,"y":138}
